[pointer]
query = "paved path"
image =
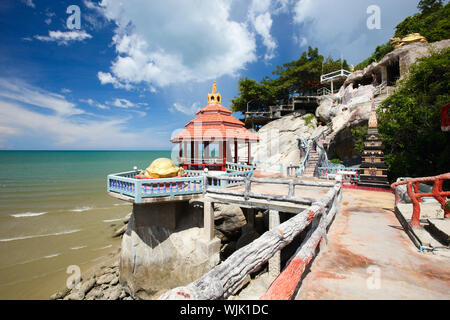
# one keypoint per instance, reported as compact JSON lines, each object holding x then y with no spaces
{"x":366,"y":239}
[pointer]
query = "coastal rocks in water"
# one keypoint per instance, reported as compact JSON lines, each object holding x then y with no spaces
{"x":155,"y":259}
{"x":106,"y":278}
{"x":102,"y":285}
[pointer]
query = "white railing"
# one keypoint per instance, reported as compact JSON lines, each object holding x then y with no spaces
{"x":335,"y":74}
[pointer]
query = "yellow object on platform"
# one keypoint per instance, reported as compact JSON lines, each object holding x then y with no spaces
{"x":163,"y":168}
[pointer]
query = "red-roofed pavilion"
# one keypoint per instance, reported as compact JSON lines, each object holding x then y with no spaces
{"x":216,"y":129}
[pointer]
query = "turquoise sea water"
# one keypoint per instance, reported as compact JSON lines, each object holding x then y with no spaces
{"x":55,"y":212}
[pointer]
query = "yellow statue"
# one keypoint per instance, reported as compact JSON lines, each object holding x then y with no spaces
{"x":162,"y":168}
{"x":214,"y":87}
{"x":410,"y":38}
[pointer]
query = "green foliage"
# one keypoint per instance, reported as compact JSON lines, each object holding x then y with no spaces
{"x":336,"y":161}
{"x":379,"y":53}
{"x":309,"y":118}
{"x":409,"y":120}
{"x":359,"y":134}
{"x":432,"y":21}
{"x":292,"y":77}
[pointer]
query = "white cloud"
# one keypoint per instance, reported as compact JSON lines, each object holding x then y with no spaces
{"x":18,"y":90}
{"x":64,"y":128}
{"x":162,"y":43}
{"x":59,"y":131}
{"x":65,"y":90}
{"x":261,"y":19}
{"x":29,"y":3}
{"x":94,"y":103}
{"x":64,"y":37}
{"x":123,"y":103}
{"x":178,"y":107}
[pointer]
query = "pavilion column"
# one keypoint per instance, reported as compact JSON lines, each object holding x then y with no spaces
{"x":185,"y":154}
{"x":192,"y":151}
{"x":180,"y":152}
{"x":206,"y":154}
{"x":249,"y":152}
{"x":236,"y":156}
{"x":224,"y":154}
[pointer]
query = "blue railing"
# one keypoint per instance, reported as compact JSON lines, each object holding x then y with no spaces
{"x":126,"y":184}
{"x":297,"y":171}
{"x":269,"y":166}
{"x":325,"y":171}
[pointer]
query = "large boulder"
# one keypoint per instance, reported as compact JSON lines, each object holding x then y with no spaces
{"x":279,"y":139}
{"x":228,"y":220}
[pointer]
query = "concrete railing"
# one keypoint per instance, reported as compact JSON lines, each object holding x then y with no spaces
{"x":412,"y":187}
{"x":224,"y":279}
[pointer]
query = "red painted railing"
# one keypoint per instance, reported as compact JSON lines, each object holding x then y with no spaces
{"x":412,"y":186}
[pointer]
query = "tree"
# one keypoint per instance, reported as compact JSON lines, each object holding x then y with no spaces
{"x":299,"y":76}
{"x":409,"y":120}
{"x":429,"y":5}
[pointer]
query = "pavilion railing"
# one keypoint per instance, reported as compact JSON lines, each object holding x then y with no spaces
{"x":193,"y":182}
{"x":138,"y":189}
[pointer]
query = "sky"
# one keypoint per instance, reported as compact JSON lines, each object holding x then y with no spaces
{"x":128,"y":75}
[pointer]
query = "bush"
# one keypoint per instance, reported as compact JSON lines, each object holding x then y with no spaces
{"x":409,"y":120}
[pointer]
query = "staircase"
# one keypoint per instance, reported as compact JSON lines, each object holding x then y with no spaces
{"x":312,"y":162}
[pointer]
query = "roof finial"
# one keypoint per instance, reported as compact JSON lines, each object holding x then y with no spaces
{"x":214,"y":96}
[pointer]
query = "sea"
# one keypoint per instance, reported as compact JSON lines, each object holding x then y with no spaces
{"x":55,"y":214}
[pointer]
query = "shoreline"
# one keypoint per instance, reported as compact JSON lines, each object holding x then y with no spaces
{"x":100,"y":281}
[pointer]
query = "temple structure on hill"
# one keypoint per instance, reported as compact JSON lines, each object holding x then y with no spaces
{"x":373,"y":168}
{"x":213,"y":138}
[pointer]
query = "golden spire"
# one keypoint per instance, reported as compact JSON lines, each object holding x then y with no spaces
{"x":213,"y":97}
{"x":373,"y":122}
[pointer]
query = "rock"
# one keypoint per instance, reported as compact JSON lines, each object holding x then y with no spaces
{"x":227,"y":250}
{"x":114,"y":281}
{"x":115,"y":293}
{"x":123,"y":294}
{"x":120,"y":231}
{"x":75,"y":295}
{"x":106,"y":278}
{"x":155,"y":258}
{"x":248,"y":235}
{"x":87,"y":285}
{"x":127,"y":218}
{"x":95,"y":293}
{"x":60,"y":294}
{"x":228,"y":219}
{"x":279,"y":140}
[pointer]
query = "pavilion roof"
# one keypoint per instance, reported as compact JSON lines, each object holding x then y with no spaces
{"x":215,"y":122}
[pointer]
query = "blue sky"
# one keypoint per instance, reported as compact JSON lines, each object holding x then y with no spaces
{"x":136,"y":71}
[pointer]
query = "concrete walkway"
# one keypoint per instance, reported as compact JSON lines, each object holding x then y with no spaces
{"x":369,"y":256}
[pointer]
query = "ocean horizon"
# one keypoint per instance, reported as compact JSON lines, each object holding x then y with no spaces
{"x":55,"y":212}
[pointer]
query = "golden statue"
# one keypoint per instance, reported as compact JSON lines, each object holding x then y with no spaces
{"x":214,"y":90}
{"x":410,"y":38}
